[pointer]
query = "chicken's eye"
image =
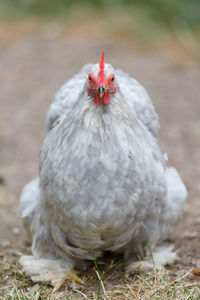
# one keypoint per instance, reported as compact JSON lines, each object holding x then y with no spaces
{"x":89,"y":78}
{"x":112,"y":78}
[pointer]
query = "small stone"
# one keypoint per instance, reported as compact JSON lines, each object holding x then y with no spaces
{"x":196,"y":272}
{"x":16,"y":230}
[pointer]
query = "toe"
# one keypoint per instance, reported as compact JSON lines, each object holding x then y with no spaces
{"x":71,"y":275}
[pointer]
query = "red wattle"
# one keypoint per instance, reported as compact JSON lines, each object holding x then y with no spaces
{"x":106,"y":98}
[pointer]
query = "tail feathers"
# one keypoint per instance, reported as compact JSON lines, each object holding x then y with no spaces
{"x":177,"y":192}
{"x":177,"y":195}
{"x":29,"y":201}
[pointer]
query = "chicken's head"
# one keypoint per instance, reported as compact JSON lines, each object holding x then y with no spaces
{"x":101,"y":82}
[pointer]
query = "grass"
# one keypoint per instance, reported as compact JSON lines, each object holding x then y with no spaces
{"x":100,"y":277}
{"x":168,"y":14}
{"x":147,"y":287}
{"x":99,"y":282}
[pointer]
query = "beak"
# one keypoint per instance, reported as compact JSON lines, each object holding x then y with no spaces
{"x":101,"y":91}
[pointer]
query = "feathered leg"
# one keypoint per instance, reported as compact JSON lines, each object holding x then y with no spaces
{"x":155,"y":259}
{"x":157,"y":256}
{"x":46,"y":263}
{"x":52,"y":270}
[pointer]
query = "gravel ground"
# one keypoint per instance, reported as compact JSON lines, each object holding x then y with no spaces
{"x":31,"y":70}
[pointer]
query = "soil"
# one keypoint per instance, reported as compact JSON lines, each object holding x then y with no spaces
{"x":32,"y":69}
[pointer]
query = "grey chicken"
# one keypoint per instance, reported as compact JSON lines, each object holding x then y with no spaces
{"x":103,"y":184}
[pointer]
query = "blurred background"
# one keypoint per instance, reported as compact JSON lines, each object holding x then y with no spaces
{"x":44,"y":42}
{"x":162,"y":25}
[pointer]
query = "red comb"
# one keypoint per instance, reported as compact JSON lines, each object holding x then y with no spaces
{"x":101,"y":67}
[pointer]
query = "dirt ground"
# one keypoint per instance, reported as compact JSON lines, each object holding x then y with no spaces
{"x":32,"y":69}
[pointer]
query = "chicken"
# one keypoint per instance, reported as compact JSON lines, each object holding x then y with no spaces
{"x":103,"y":184}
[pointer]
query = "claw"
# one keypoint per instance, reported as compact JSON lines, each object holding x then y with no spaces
{"x":71,"y":275}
